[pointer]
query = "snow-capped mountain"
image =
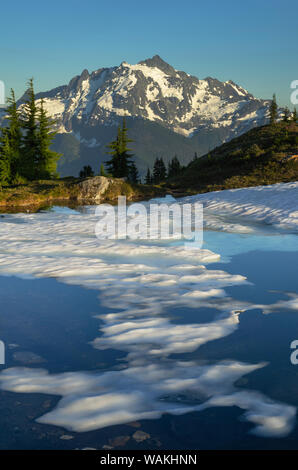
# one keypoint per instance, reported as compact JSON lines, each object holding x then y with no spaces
{"x":168,"y":112}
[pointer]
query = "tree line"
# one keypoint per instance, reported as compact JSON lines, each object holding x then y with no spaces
{"x":160,"y":172}
{"x":25,"y":141}
{"x":121,"y":164}
{"x":287,"y":115}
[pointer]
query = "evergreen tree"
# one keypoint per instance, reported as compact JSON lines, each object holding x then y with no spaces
{"x":31,"y":138}
{"x":294,"y":115}
{"x":14,"y":133}
{"x":114,"y":164}
{"x":86,"y":172}
{"x":273,"y":110}
{"x":133,"y":175}
{"x":5,"y":158}
{"x":148,"y":179}
{"x":287,"y":114}
{"x":102,"y":170}
{"x":25,"y":142}
{"x":124,"y":138}
{"x":46,"y":159}
{"x":159,"y":171}
{"x":120,"y":163}
{"x":174,"y":167}
{"x":126,"y":164}
{"x":163,"y":170}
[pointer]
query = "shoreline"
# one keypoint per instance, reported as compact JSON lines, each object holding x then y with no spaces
{"x":72,"y":192}
{"x":75,"y":192}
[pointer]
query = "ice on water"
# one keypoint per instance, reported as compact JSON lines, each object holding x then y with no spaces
{"x":139,"y":282}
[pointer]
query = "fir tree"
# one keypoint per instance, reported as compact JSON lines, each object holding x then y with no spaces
{"x":174,"y":167}
{"x":31,"y":138}
{"x":120,"y":163}
{"x":124,"y":138}
{"x":126,"y":164}
{"x":294,"y":115}
{"x":163,"y":170}
{"x":14,"y":133}
{"x":102,"y":170}
{"x":25,"y":142}
{"x":114,"y":164}
{"x":273,"y":110}
{"x":46,"y":159}
{"x":86,"y":172}
{"x":5,"y":158}
{"x":148,"y":178}
{"x":286,"y":115}
{"x":159,"y":171}
{"x":133,"y":175}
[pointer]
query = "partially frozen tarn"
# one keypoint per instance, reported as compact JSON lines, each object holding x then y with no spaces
{"x":93,"y":401}
{"x":139,"y":283}
{"x":275,"y":204}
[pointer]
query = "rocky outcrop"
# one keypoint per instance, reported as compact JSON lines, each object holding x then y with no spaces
{"x":74,"y":191}
{"x":93,"y":189}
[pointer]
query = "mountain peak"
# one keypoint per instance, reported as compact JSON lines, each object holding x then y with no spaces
{"x":156,"y":98}
{"x":157,"y":61}
{"x":85,"y":74}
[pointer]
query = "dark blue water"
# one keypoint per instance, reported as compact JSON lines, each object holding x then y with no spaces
{"x":48,"y":324}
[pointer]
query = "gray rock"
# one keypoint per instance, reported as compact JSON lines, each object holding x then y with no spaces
{"x":93,"y":188}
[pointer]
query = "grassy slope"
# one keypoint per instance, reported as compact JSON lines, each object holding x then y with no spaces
{"x":254,"y":158}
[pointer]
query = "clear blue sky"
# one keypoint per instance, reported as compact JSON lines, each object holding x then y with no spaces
{"x":252,"y":42}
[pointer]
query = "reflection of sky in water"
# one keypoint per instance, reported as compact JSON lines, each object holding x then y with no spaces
{"x":230,"y":244}
{"x":142,"y":286}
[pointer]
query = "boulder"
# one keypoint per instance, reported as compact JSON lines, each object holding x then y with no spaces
{"x":92,"y":189}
